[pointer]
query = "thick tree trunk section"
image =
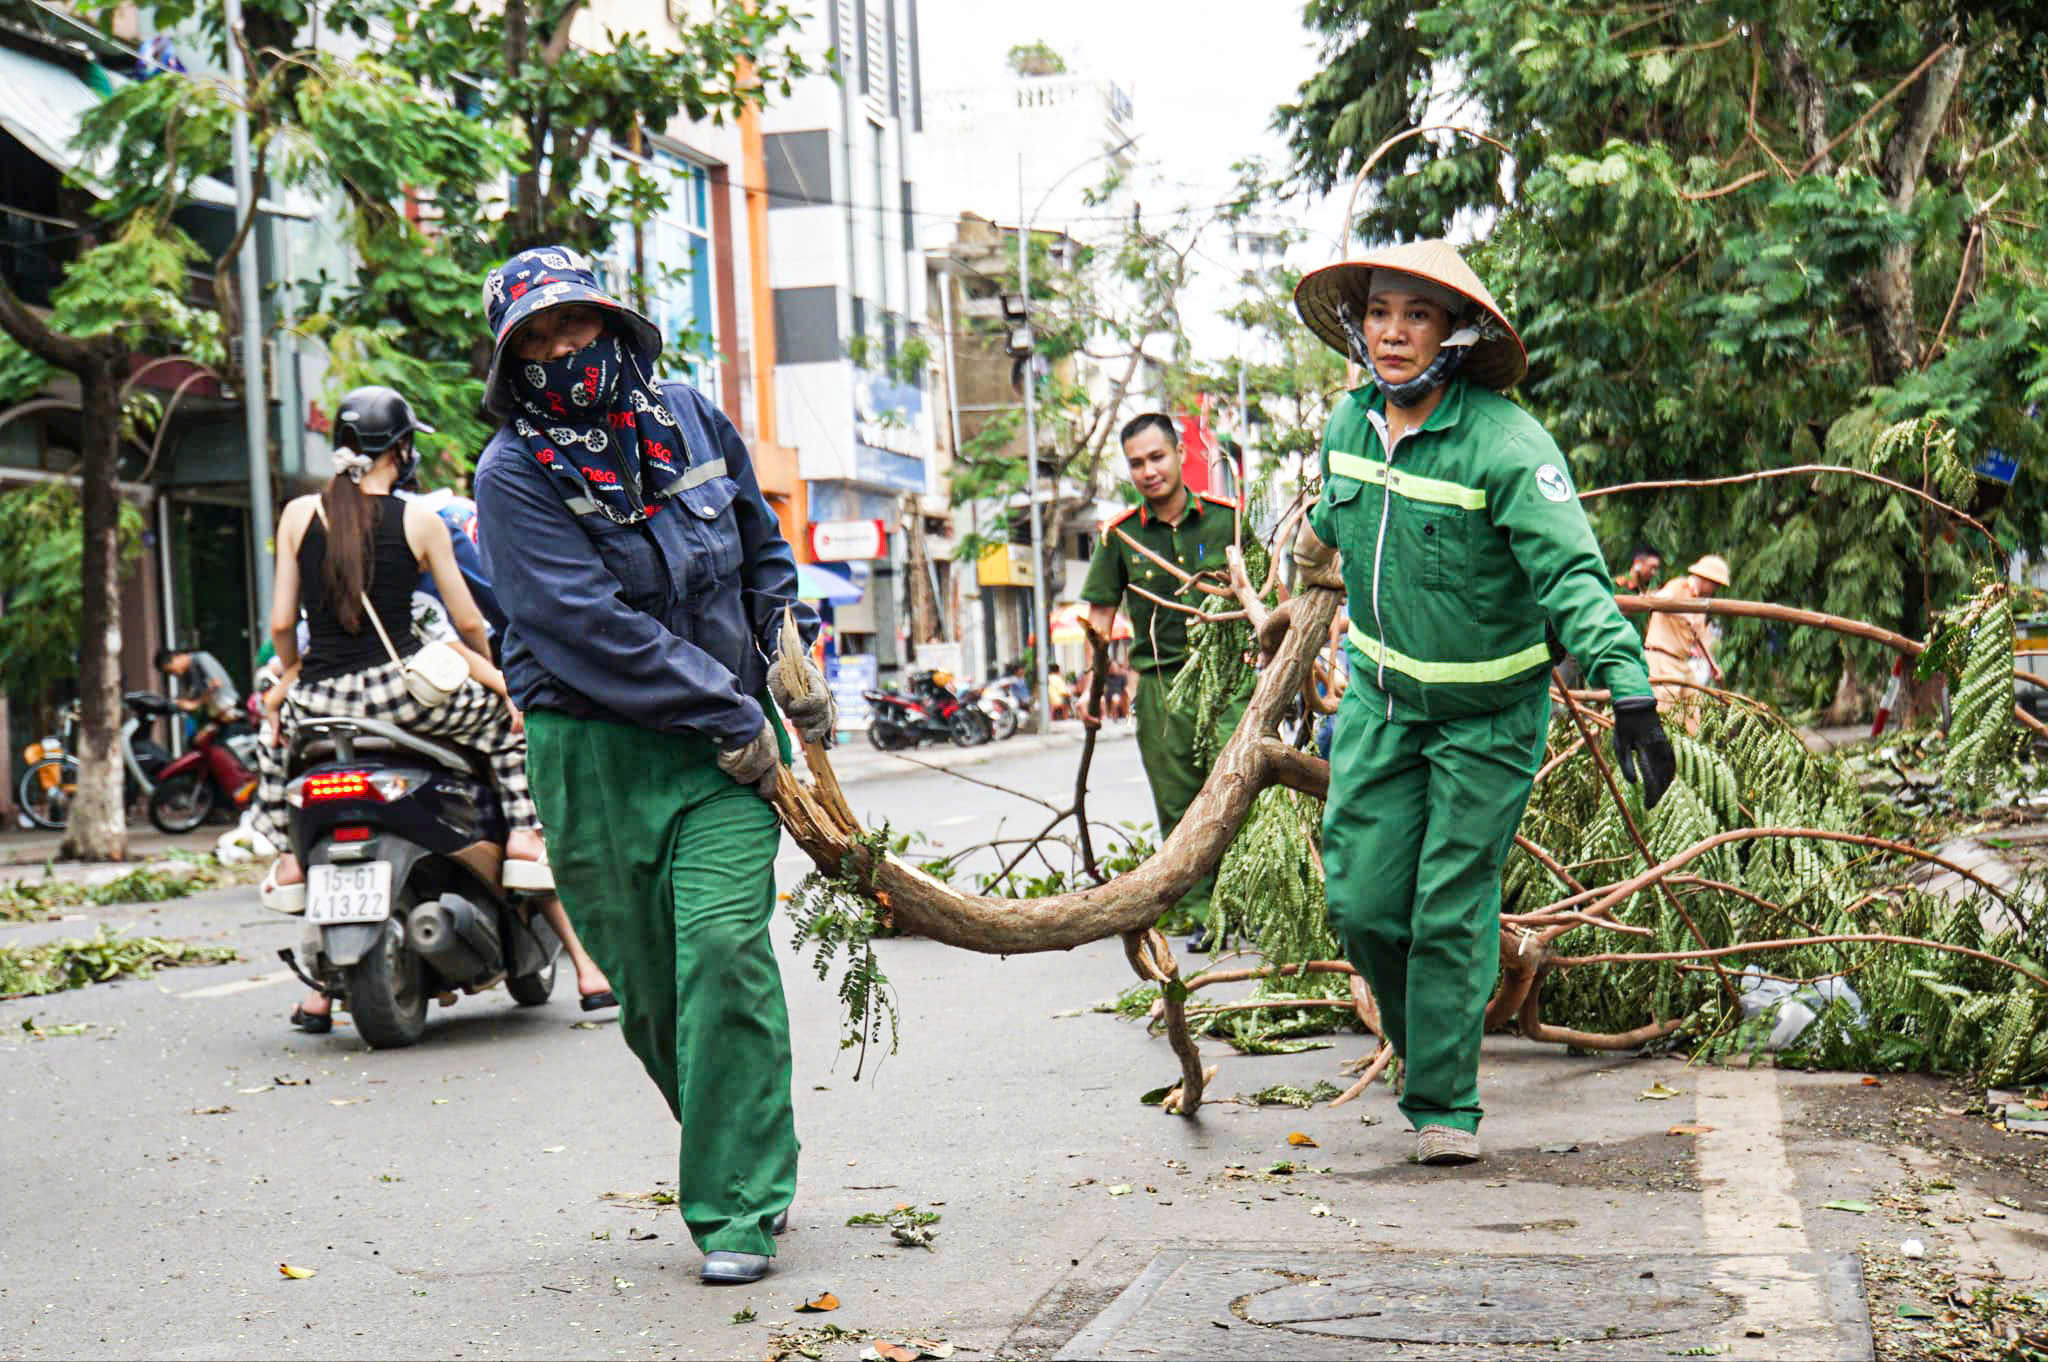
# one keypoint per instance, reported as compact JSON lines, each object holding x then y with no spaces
{"x":99,"y":827}
{"x":1885,"y":295}
{"x":99,"y":823}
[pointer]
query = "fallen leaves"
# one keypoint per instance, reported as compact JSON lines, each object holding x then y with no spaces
{"x":297,"y":1274}
{"x":1121,"y":1189}
{"x":818,"y":1305}
{"x":1298,"y":1140}
{"x":1657,"y":1092}
{"x":1690,"y":1128}
{"x":743,"y":1316}
{"x":910,"y":1350}
{"x":1852,"y":1207}
{"x":211,"y":1111}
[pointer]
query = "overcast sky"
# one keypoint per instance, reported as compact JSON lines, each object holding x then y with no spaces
{"x":1204,"y":77}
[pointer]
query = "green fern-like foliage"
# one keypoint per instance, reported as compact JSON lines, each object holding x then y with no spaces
{"x":1973,"y":645}
{"x":838,"y":916}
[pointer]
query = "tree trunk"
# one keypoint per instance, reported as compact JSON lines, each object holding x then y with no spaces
{"x":99,"y":822}
{"x":99,"y":825}
{"x":1885,"y":295}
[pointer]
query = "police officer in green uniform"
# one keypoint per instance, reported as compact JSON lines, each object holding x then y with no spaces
{"x":1461,"y":537}
{"x":1192,"y":530}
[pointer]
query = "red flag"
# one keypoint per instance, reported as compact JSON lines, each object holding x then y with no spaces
{"x":1197,"y":446}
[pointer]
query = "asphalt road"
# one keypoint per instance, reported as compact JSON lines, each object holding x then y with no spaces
{"x":452,"y":1198}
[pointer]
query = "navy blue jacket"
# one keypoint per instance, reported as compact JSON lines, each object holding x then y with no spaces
{"x":667,"y":624}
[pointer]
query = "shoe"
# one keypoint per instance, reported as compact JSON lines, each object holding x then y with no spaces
{"x":1201,"y":943}
{"x":528,"y":877}
{"x":780,"y":1223}
{"x":282,"y":898}
{"x":1445,"y":1147}
{"x":312,"y":1023}
{"x":726,"y":1268}
{"x":598,"y":1002}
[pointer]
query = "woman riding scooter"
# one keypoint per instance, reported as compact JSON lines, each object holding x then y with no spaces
{"x":353,"y":549}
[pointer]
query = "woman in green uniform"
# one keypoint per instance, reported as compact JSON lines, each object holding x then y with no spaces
{"x":1461,"y":538}
{"x":644,"y":580}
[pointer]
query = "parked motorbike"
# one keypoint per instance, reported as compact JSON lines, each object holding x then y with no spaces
{"x":50,"y":783}
{"x":998,"y":706}
{"x":930,"y":713}
{"x":402,"y":838}
{"x":217,"y":771}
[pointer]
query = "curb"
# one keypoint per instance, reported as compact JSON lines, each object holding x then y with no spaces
{"x":875,"y":766}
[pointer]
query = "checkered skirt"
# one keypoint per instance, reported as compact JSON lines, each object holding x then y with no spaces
{"x":473,"y":716}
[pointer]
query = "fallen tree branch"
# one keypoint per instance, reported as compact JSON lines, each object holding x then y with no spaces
{"x":1791,"y":943}
{"x":1801,"y":470}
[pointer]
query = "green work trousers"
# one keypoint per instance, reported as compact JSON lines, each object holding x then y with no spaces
{"x":1419,"y":821}
{"x":667,"y":868}
{"x":1166,"y":744}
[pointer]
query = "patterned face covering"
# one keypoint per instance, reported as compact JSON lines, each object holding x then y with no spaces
{"x":600,"y":429}
{"x":569,"y":388}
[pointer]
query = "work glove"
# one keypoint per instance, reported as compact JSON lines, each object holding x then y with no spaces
{"x":1641,"y":747}
{"x":755,"y":763}
{"x":1315,"y":562}
{"x":800,"y":692}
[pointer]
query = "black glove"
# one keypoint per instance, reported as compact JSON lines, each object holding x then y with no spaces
{"x":1641,"y":747}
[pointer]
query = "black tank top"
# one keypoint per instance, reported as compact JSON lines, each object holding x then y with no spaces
{"x":394,"y":573}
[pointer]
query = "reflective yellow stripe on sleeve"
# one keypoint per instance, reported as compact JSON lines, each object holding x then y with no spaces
{"x":1450,"y":673}
{"x":1434,"y":490}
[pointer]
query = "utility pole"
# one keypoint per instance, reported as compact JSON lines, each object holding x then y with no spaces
{"x":249,"y":285}
{"x":1041,"y":627}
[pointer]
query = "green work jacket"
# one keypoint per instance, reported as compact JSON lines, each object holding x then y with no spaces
{"x":1199,"y":543}
{"x":1459,"y":547}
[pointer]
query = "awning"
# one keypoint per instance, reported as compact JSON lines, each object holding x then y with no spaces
{"x":41,"y":104}
{"x":822,"y":582}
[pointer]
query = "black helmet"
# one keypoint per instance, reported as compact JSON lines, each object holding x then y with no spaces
{"x":374,"y":418}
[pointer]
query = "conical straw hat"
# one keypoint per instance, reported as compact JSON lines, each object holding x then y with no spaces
{"x":1497,"y":362}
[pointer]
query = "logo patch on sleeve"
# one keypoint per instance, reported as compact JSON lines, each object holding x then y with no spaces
{"x":1553,"y":484}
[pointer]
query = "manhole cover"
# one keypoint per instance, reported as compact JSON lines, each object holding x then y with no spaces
{"x":1273,"y":1304}
{"x":1486,"y":1300}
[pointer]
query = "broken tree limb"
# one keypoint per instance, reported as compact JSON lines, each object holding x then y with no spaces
{"x":1765,"y":610}
{"x":1671,"y":484}
{"x":946,"y":913}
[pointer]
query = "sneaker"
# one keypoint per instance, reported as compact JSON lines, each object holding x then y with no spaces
{"x":1445,"y":1146}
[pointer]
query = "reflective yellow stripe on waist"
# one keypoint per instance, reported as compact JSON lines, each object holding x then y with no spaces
{"x":1434,"y":490}
{"x":1450,"y":673}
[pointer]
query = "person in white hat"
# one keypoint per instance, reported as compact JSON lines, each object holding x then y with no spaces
{"x":1681,"y":647}
{"x":1464,"y":548}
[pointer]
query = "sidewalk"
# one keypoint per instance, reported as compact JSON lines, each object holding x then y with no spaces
{"x":856,"y":760}
{"x":34,"y":846}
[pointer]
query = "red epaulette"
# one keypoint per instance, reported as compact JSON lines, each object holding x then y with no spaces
{"x":1216,"y":500}
{"x":1115,"y":521}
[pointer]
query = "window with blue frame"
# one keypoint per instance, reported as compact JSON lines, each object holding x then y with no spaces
{"x":679,"y":283}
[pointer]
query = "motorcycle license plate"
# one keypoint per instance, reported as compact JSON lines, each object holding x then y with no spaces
{"x":348,"y":893}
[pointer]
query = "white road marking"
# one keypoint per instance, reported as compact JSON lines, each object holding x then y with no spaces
{"x":238,"y":986}
{"x":1749,"y":1214}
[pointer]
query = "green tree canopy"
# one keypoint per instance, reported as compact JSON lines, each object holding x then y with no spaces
{"x":457,"y":136}
{"x":1734,"y":237}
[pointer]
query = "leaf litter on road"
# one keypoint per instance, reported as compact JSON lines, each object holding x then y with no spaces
{"x":297,"y":1274}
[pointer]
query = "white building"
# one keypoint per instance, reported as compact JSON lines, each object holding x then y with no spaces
{"x":849,"y":291}
{"x":1070,"y":131}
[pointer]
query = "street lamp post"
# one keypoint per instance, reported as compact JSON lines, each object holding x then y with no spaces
{"x":1041,"y":711}
{"x":1041,"y":706}
{"x":255,"y":407}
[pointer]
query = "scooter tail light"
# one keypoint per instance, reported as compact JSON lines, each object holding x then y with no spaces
{"x":355,"y":833}
{"x":327,"y":787}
